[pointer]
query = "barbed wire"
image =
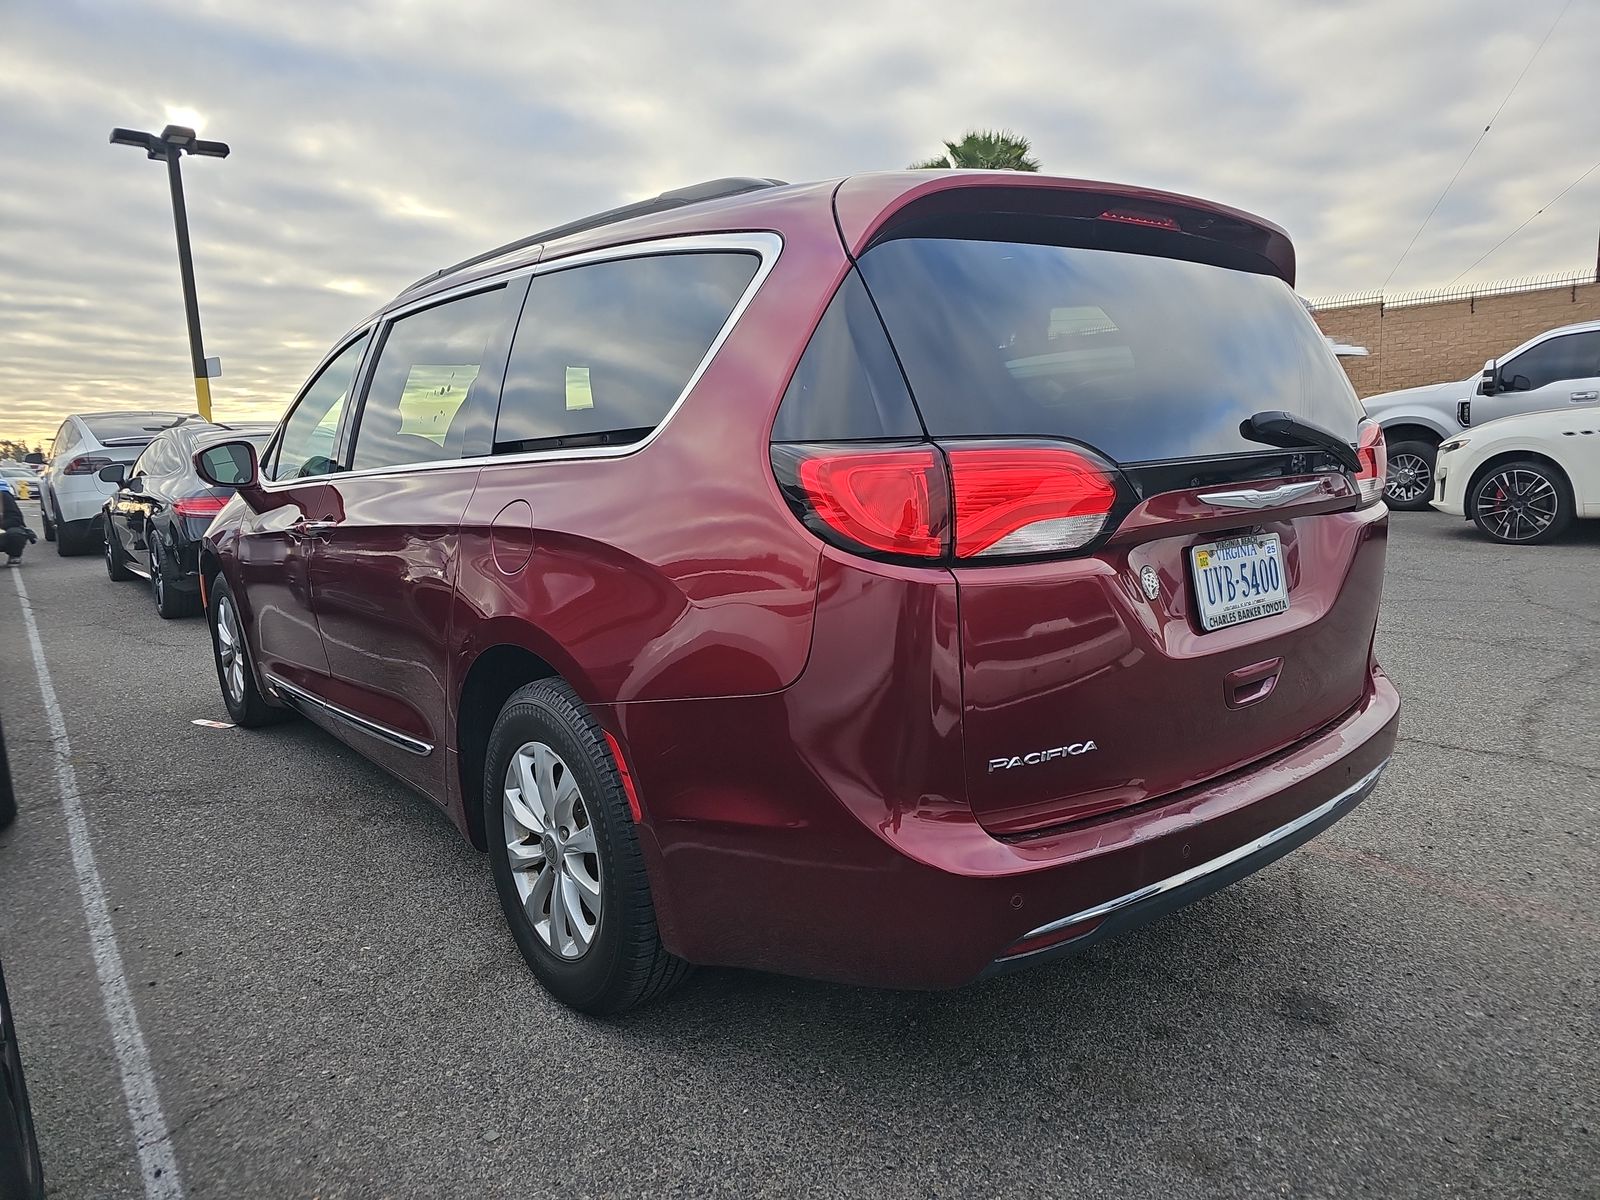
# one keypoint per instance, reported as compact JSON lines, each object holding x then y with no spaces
{"x":1444,"y":295}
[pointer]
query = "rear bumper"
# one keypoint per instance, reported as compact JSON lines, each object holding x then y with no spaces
{"x":1075,"y":932}
{"x":786,"y":862}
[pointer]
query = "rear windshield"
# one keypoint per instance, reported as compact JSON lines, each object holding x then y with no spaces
{"x":1145,"y":359}
{"x":128,"y":429}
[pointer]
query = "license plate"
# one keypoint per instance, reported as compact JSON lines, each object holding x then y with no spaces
{"x":1239,"y":580}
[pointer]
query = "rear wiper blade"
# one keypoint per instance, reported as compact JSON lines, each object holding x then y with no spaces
{"x":1289,"y":432}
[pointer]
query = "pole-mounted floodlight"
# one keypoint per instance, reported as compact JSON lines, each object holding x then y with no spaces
{"x":171,"y":144}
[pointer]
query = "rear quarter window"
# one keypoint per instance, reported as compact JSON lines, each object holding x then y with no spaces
{"x":1144,"y":358}
{"x":847,"y":386}
{"x":603,"y":351}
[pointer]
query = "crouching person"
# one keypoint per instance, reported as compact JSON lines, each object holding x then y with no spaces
{"x":14,"y":531}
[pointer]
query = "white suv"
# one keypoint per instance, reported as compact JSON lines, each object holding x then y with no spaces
{"x":72,"y":491}
{"x":1559,"y":369}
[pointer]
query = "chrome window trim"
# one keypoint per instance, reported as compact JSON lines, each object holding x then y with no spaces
{"x":766,"y":246}
{"x":1365,"y":784}
{"x":393,"y":736}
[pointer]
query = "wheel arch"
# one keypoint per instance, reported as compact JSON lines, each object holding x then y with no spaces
{"x":1409,"y":429}
{"x":496,"y":672}
{"x":1501,"y":457}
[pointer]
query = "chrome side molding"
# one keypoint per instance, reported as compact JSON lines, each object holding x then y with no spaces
{"x":1263,"y":497}
{"x":300,"y":698}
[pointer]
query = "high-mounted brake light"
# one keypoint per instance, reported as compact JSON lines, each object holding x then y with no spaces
{"x":1374,"y":456}
{"x":1026,"y":500}
{"x":1137,"y":218}
{"x":85,"y":465}
{"x":889,"y":501}
{"x":199,"y":506}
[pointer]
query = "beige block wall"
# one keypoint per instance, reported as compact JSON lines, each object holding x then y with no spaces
{"x":1450,"y":339}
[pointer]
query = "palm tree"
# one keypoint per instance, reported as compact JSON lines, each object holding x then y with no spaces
{"x":987,"y":149}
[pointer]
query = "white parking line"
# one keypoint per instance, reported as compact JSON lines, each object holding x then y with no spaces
{"x":157,"y":1163}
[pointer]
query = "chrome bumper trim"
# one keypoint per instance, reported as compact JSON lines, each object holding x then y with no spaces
{"x":1365,"y":784}
{"x":393,"y":736}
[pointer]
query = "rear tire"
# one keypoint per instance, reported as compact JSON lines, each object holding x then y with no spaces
{"x":116,"y":568}
{"x":1410,"y":483}
{"x":623,"y":963}
{"x":44,"y":518}
{"x":76,"y":538}
{"x":230,"y":651}
{"x":1523,"y":502}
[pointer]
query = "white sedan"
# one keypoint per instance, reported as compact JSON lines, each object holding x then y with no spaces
{"x":1523,"y":479}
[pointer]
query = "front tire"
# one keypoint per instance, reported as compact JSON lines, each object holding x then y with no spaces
{"x":231,"y":654}
{"x":1523,"y":502}
{"x":566,"y":860}
{"x":1410,"y":482}
{"x":170,"y":602}
{"x":116,"y":569}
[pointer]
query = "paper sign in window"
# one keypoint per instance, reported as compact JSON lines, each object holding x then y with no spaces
{"x":578,"y":393}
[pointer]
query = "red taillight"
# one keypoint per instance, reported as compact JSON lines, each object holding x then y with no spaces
{"x":85,"y":465}
{"x":1138,"y":218}
{"x":889,"y":501}
{"x":199,"y":506}
{"x":1374,"y":456}
{"x":1026,"y":500}
{"x":962,"y":500}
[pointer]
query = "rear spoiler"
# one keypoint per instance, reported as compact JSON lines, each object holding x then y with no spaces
{"x":876,"y":208}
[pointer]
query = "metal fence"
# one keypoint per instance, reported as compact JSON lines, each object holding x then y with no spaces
{"x":1444,"y":295}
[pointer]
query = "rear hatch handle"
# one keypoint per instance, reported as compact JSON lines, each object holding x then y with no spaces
{"x":1288,"y":432}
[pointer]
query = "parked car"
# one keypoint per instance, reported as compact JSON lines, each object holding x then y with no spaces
{"x":155,"y":519}
{"x":1559,"y":369}
{"x":21,"y":1175}
{"x":1522,"y":480}
{"x":21,"y":480}
{"x":71,"y":490}
{"x":632,"y":548}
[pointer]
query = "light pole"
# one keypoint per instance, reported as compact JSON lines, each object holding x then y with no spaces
{"x":169,"y":144}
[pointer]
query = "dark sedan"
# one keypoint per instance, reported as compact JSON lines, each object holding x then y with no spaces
{"x":161,"y":509}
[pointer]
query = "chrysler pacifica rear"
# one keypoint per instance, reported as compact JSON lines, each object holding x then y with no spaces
{"x":894,"y":580}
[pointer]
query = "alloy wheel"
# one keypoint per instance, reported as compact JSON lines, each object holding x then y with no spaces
{"x":550,"y":842}
{"x":1410,"y":478}
{"x":230,"y":648}
{"x":156,"y":580}
{"x":1517,"y":505}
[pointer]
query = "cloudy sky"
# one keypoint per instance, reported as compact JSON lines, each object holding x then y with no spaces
{"x":375,"y":141}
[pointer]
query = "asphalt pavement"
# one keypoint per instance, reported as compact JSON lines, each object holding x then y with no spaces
{"x":331,"y":1005}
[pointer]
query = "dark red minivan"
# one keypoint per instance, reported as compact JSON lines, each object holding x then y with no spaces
{"x":894,"y":580}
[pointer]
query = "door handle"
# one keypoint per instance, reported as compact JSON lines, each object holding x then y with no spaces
{"x":1582,"y":396}
{"x":312,"y":529}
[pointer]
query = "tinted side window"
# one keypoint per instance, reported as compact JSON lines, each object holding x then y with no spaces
{"x":422,"y":397}
{"x":1576,"y":356}
{"x":145,"y":464}
{"x":848,"y":384}
{"x":66,"y":438}
{"x":604,"y":351}
{"x":306,"y":446}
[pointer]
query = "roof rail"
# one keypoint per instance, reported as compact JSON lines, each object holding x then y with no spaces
{"x":713,"y":189}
